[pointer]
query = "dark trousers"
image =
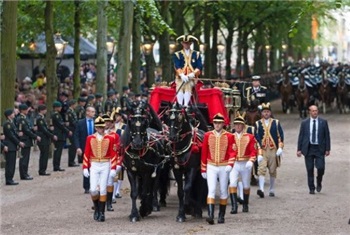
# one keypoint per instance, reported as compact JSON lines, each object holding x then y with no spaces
{"x":24,"y":162}
{"x":10,"y":167}
{"x":57,"y":154}
{"x":314,"y":158}
{"x":44,"y":158}
{"x":71,"y":152}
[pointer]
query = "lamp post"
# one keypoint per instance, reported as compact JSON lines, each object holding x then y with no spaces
{"x":110,"y":50}
{"x":32,"y":48}
{"x":60,"y":45}
{"x":284,"y":49}
{"x":221,"y":48}
{"x":268,"y":48}
{"x":147,"y":49}
{"x":172,"y":45}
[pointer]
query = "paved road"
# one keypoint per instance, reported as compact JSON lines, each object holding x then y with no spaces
{"x":57,"y":205}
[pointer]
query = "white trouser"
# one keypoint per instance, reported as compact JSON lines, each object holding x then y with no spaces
{"x":110,"y":180}
{"x":240,"y":169}
{"x":99,"y":172}
{"x":213,"y":173}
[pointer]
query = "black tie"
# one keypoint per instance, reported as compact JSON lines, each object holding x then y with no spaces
{"x":313,"y":134}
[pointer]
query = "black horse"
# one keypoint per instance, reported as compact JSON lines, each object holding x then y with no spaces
{"x":186,"y":131}
{"x":143,"y":156}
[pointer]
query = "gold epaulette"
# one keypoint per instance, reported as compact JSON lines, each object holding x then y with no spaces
{"x":249,"y":88}
{"x":263,"y":87}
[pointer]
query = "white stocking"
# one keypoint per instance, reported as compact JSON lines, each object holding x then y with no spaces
{"x":187,"y":98}
{"x":240,"y":189}
{"x":180,"y":97}
{"x":261,"y":182}
{"x":272,"y":184}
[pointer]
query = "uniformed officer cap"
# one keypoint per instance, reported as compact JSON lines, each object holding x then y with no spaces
{"x":219,"y":118}
{"x":22,"y":107}
{"x":71,"y":102}
{"x":98,"y":95}
{"x":100,"y":122}
{"x":8,"y":112}
{"x":81,"y":99}
{"x":138,"y":95}
{"x":110,"y":93}
{"x":56,"y":104}
{"x":91,"y":97}
{"x":266,"y":106}
{"x":106,"y":118}
{"x":41,"y":107}
{"x":256,"y":78}
{"x":125,"y":88}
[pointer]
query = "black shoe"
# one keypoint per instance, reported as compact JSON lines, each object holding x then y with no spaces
{"x":86,"y":191}
{"x":118,"y":195}
{"x":271,"y":194}
{"x":45,"y":174}
{"x":312,"y":191}
{"x":260,"y":193}
{"x":73,"y":165}
{"x":58,"y":169}
{"x":27,"y":178}
{"x":319,"y":188}
{"x":11,"y":183}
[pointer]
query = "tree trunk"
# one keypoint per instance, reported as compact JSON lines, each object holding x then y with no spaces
{"x":76,"y":72}
{"x":8,"y":41}
{"x":214,"y":49}
{"x":136,"y":53}
{"x":207,"y":30}
{"x":229,"y":52}
{"x":246,"y":69}
{"x":101,"y":71}
{"x":259,"y":52}
{"x":165,"y":57}
{"x":8,"y":55}
{"x":239,"y":71}
{"x":124,"y":45}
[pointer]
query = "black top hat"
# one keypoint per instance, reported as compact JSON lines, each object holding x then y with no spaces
{"x":187,"y":38}
{"x":100,"y":122}
{"x":8,"y":112}
{"x":23,"y":107}
{"x":219,"y":118}
{"x":266,"y":106}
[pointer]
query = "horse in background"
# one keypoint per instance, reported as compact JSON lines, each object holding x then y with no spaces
{"x":185,"y":134}
{"x":143,"y":157}
{"x":324,"y":91}
{"x":302,"y":96}
{"x":286,"y":91}
{"x":252,"y":113}
{"x":342,"y":94}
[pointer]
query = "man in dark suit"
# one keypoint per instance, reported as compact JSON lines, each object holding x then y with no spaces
{"x":314,"y":143}
{"x":11,"y":141}
{"x":84,"y":128}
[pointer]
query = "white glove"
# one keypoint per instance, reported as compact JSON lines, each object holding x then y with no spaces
{"x":228,"y":168}
{"x":119,"y":168}
{"x":86,"y":173}
{"x":204,"y":175}
{"x":260,"y":158}
{"x":184,"y":78}
{"x":249,"y":165}
{"x":191,"y":75}
{"x":279,"y":152}
{"x":112,"y":173}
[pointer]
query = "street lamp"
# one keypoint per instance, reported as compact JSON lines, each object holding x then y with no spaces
{"x":284,"y":49}
{"x":110,"y":50}
{"x":32,"y":48}
{"x":268,"y":48}
{"x":172,"y":45}
{"x":221,"y":48}
{"x":60,"y":45}
{"x":147,"y":49}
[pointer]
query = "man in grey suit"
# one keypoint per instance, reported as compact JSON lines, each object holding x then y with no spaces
{"x":315,"y":144}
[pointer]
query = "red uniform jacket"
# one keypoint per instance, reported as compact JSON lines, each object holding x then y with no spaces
{"x":100,"y":151}
{"x":245,"y":147}
{"x":116,"y":137}
{"x":217,"y":150}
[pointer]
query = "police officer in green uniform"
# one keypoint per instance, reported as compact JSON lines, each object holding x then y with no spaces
{"x":26,"y":135}
{"x":12,"y":142}
{"x":46,"y":136}
{"x":71,"y":120}
{"x":60,"y":130}
{"x":111,"y":102}
{"x":98,"y":104}
{"x":80,"y":109}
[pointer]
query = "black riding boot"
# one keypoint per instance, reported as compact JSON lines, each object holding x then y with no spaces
{"x":222,"y":211}
{"x":245,"y":203}
{"x":233,"y":197}
{"x":210,"y":218}
{"x":109,"y":201}
{"x":102,"y":206}
{"x":97,"y":212}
